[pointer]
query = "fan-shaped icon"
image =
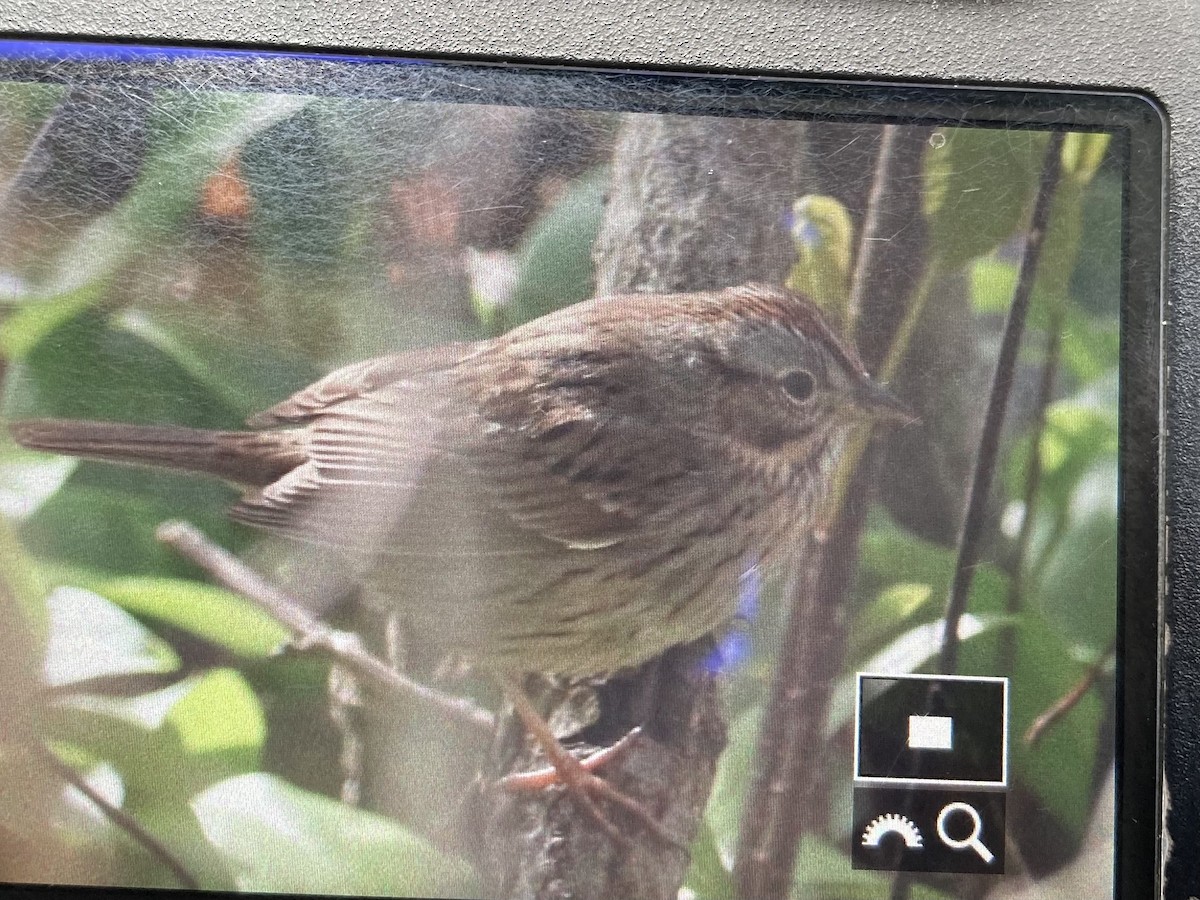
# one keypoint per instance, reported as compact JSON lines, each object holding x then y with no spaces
{"x":891,"y":823}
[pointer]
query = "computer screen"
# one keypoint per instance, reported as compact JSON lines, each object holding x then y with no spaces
{"x":437,"y":478}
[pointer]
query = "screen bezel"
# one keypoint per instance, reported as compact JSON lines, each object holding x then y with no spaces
{"x":1139,"y":129}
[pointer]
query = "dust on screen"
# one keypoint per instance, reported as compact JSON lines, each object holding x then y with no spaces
{"x":685,"y":514}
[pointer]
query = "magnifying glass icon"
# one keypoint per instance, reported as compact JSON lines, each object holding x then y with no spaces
{"x":972,"y":840}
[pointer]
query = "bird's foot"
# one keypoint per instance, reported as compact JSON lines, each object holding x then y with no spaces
{"x":587,"y":788}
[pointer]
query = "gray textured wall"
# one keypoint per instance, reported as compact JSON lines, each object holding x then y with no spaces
{"x":1146,"y":45}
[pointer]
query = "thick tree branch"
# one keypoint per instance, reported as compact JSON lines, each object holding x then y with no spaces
{"x":694,"y":203}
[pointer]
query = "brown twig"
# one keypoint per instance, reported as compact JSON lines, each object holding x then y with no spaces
{"x":310,"y":633}
{"x":787,"y":770}
{"x":1069,"y":700}
{"x":777,"y":807}
{"x":121,"y":819}
{"x":970,"y":537}
{"x":872,"y":226}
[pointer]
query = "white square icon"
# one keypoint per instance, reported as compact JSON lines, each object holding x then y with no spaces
{"x":931,"y":730}
{"x":930,"y":733}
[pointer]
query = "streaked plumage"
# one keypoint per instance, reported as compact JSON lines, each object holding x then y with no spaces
{"x":572,"y":497}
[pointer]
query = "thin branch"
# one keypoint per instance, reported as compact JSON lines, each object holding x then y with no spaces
{"x":1070,"y":699}
{"x":121,"y":819}
{"x":970,"y":543}
{"x":777,"y":807}
{"x":1033,"y":482}
{"x":868,"y":243}
{"x":310,"y":633}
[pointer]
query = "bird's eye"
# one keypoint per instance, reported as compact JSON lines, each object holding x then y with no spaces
{"x":798,"y":384}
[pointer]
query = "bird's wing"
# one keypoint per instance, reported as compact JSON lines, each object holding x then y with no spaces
{"x":362,"y":379}
{"x":418,"y":460}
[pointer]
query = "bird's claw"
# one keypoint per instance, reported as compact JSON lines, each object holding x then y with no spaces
{"x":579,"y":778}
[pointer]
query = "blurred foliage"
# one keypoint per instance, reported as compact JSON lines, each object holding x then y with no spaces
{"x":324,"y":847}
{"x":979,"y":190}
{"x":824,"y":235}
{"x":552,"y":266}
{"x":267,"y":238}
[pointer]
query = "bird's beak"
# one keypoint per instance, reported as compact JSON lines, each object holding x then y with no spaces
{"x":880,"y":405}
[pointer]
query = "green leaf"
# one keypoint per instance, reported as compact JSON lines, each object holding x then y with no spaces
{"x":169,"y":745}
{"x":172,"y":742}
{"x":979,"y":185}
{"x":824,"y":234}
{"x":1074,"y":437}
{"x":25,"y":328}
{"x":147,"y":711}
{"x":554,"y":262}
{"x":89,"y":369}
{"x":93,"y":839}
{"x":276,"y":837}
{"x":211,"y":613}
{"x":897,"y":605}
{"x":91,"y":638}
{"x":222,"y":713}
{"x":993,"y":282}
{"x":1091,"y":345}
{"x":891,"y":555}
{"x":19,"y":578}
{"x":735,"y":769}
{"x":28,"y":479}
{"x":909,"y":578}
{"x":1082,"y":153}
{"x":104,"y":516}
{"x":910,"y":652}
{"x":245,"y":379}
{"x":1081,"y":158}
{"x":303,"y":191}
{"x":1077,"y":590}
{"x":1061,"y":244}
{"x":1096,"y":281}
{"x":110,"y":527}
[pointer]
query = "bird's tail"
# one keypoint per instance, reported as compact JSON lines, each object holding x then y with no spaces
{"x":252,"y":459}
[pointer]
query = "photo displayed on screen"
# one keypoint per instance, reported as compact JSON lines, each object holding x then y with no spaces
{"x":440,"y":480}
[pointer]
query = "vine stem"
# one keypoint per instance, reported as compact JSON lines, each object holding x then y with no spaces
{"x":985,"y":460}
{"x":970,"y":536}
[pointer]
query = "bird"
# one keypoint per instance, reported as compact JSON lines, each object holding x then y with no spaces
{"x":574,"y":496}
